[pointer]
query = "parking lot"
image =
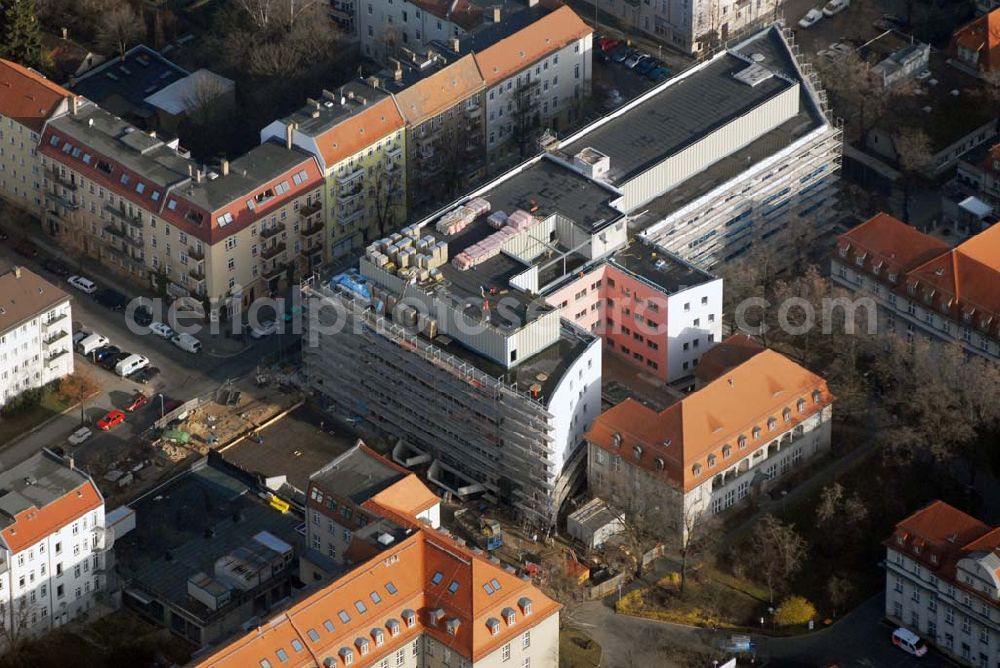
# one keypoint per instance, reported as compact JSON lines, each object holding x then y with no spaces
{"x":855,"y":24}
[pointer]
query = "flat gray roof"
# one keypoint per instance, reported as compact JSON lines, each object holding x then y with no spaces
{"x":35,"y":483}
{"x":122,"y":85}
{"x":190,"y":523}
{"x":357,"y":475}
{"x":659,"y":267}
{"x":683,"y":112}
{"x":357,"y":96}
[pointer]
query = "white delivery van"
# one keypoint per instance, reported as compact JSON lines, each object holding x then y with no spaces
{"x":131,"y":364}
{"x":186,"y":342}
{"x":91,"y":343}
{"x":909,"y":642}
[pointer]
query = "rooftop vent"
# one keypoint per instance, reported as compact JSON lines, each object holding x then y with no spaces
{"x":385,"y":539}
{"x":753,"y":75}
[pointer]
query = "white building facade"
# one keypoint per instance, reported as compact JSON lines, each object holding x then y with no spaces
{"x":35,"y":333}
{"x":54,"y":545}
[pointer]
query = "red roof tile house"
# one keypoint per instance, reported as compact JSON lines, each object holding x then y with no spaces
{"x":976,"y":46}
{"x":924,"y":287}
{"x":716,"y":447}
{"x":414,"y":596}
{"x":943,"y":582}
{"x":53,"y":544}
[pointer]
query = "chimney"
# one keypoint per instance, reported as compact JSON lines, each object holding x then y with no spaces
{"x":74,"y":104}
{"x":65,"y":33}
{"x":190,"y":171}
{"x":532,"y":3}
{"x":289,"y":134}
{"x":496,"y":14}
{"x":90,"y":122}
{"x":17,"y":271}
{"x":398,"y":73}
{"x":225,"y":167}
{"x":198,"y":176}
{"x":454,"y":44}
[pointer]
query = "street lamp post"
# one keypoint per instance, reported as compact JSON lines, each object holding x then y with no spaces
{"x":161,"y":405}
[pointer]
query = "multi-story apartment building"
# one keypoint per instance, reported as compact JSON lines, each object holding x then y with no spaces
{"x":537,"y":76}
{"x":35,"y":333}
{"x":714,"y":448}
{"x":651,"y":309}
{"x":150,"y":213}
{"x":941,"y":582}
{"x":356,"y":133}
{"x":54,"y":546}
{"x":346,"y":501}
{"x":443,"y":109}
{"x":415,"y":598}
{"x":722,"y":156}
{"x":975,"y":47}
{"x":27,"y":101}
{"x":924,"y":287}
{"x":385,"y":26}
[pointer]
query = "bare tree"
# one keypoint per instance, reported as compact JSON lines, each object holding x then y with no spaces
{"x":646,"y":524}
{"x":698,"y":538}
{"x":119,"y":28}
{"x":77,"y":387}
{"x":386,"y":194}
{"x":776,"y":553}
{"x":857,"y":95}
{"x":202,"y":102}
{"x":838,"y":591}
{"x":268,"y":15}
{"x":913,"y":154}
{"x":15,"y":628}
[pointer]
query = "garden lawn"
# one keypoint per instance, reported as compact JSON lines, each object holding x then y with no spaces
{"x":25,"y":420}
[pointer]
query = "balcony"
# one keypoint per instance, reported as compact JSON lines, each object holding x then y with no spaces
{"x":347,"y":217}
{"x":67,"y":202}
{"x":313,"y":229}
{"x":53,"y":321}
{"x":102,"y":539}
{"x":274,"y":250}
{"x":67,"y":183}
{"x":54,"y":357}
{"x":272,"y":271}
{"x":350,"y":176}
{"x":472,"y":111}
{"x":394,"y":153}
{"x":132,"y":219}
{"x":197,"y":273}
{"x":272,"y":230}
{"x":55,"y":336}
{"x":309,"y":209}
{"x":196,"y":253}
{"x":349,"y":193}
{"x":426,"y":152}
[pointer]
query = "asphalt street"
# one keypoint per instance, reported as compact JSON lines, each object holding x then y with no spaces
{"x":858,"y":640}
{"x":183,"y":375}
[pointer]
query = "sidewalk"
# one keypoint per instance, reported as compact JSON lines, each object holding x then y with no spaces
{"x":219,"y":345}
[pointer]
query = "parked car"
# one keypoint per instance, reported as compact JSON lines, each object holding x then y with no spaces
{"x":145,"y":375}
{"x":137,"y":401}
{"x":634,"y":59}
{"x":834,"y":7}
{"x":142,"y":316}
{"x":186,"y":342}
{"x":266,"y":328}
{"x":111,"y":361}
{"x":112,"y":299}
{"x":82,"y":284}
{"x":104,"y":352}
{"x":91,"y":343}
{"x":909,"y":642}
{"x":25,"y":248}
{"x":658,"y":74}
{"x":79,"y":336}
{"x":111,"y":420}
{"x":131,"y":364}
{"x":56,"y":267}
{"x":647,"y":64}
{"x":161,"y":329}
{"x":79,"y":436}
{"x":620,"y":53}
{"x":607,"y":44}
{"x":811,"y":18}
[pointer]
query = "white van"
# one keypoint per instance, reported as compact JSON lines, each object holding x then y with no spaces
{"x":186,"y":342}
{"x":91,"y":343}
{"x":131,"y":364}
{"x":909,"y":642}
{"x":82,"y":284}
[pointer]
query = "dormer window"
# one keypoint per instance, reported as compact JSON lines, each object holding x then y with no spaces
{"x":893,"y":276}
{"x":616,"y":439}
{"x":393,"y":627}
{"x":451,"y":626}
{"x":362,"y":645}
{"x":493,"y":624}
{"x":696,"y":470}
{"x":637,"y":451}
{"x":786,"y":414}
{"x":659,"y":464}
{"x":911,"y":288}
{"x":900,"y":540}
{"x":510,"y":616}
{"x":817,"y":396}
{"x":378,"y":635}
{"x":409,"y":618}
{"x":727,"y":451}
{"x":844,"y":250}
{"x":860,"y":260}
{"x":346,"y":655}
{"x":711,"y":461}
{"x":525,"y":604}
{"x":800,"y":405}
{"x":772,"y":424}
{"x":934,"y":559}
{"x":756,"y":433}
{"x":742,"y":442}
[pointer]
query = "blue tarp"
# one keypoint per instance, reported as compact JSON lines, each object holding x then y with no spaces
{"x":353,"y":281}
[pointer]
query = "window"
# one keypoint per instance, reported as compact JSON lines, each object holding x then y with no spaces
{"x":505,"y":653}
{"x":526,"y":640}
{"x":436,"y":579}
{"x":391,"y":588}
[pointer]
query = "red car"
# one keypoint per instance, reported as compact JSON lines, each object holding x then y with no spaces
{"x":112,"y":419}
{"x":605,"y":44}
{"x":137,"y":402}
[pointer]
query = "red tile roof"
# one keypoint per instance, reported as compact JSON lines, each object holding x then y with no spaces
{"x":981,"y":36}
{"x":531,"y":44}
{"x":359,"y":131}
{"x":34,"y":524}
{"x":27,"y":97}
{"x":703,"y":425}
{"x":729,"y":354}
{"x":959,"y":282}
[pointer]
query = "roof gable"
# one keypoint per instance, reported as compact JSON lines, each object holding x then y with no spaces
{"x":440,"y":91}
{"x":359,"y":131}
{"x":27,"y":97}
